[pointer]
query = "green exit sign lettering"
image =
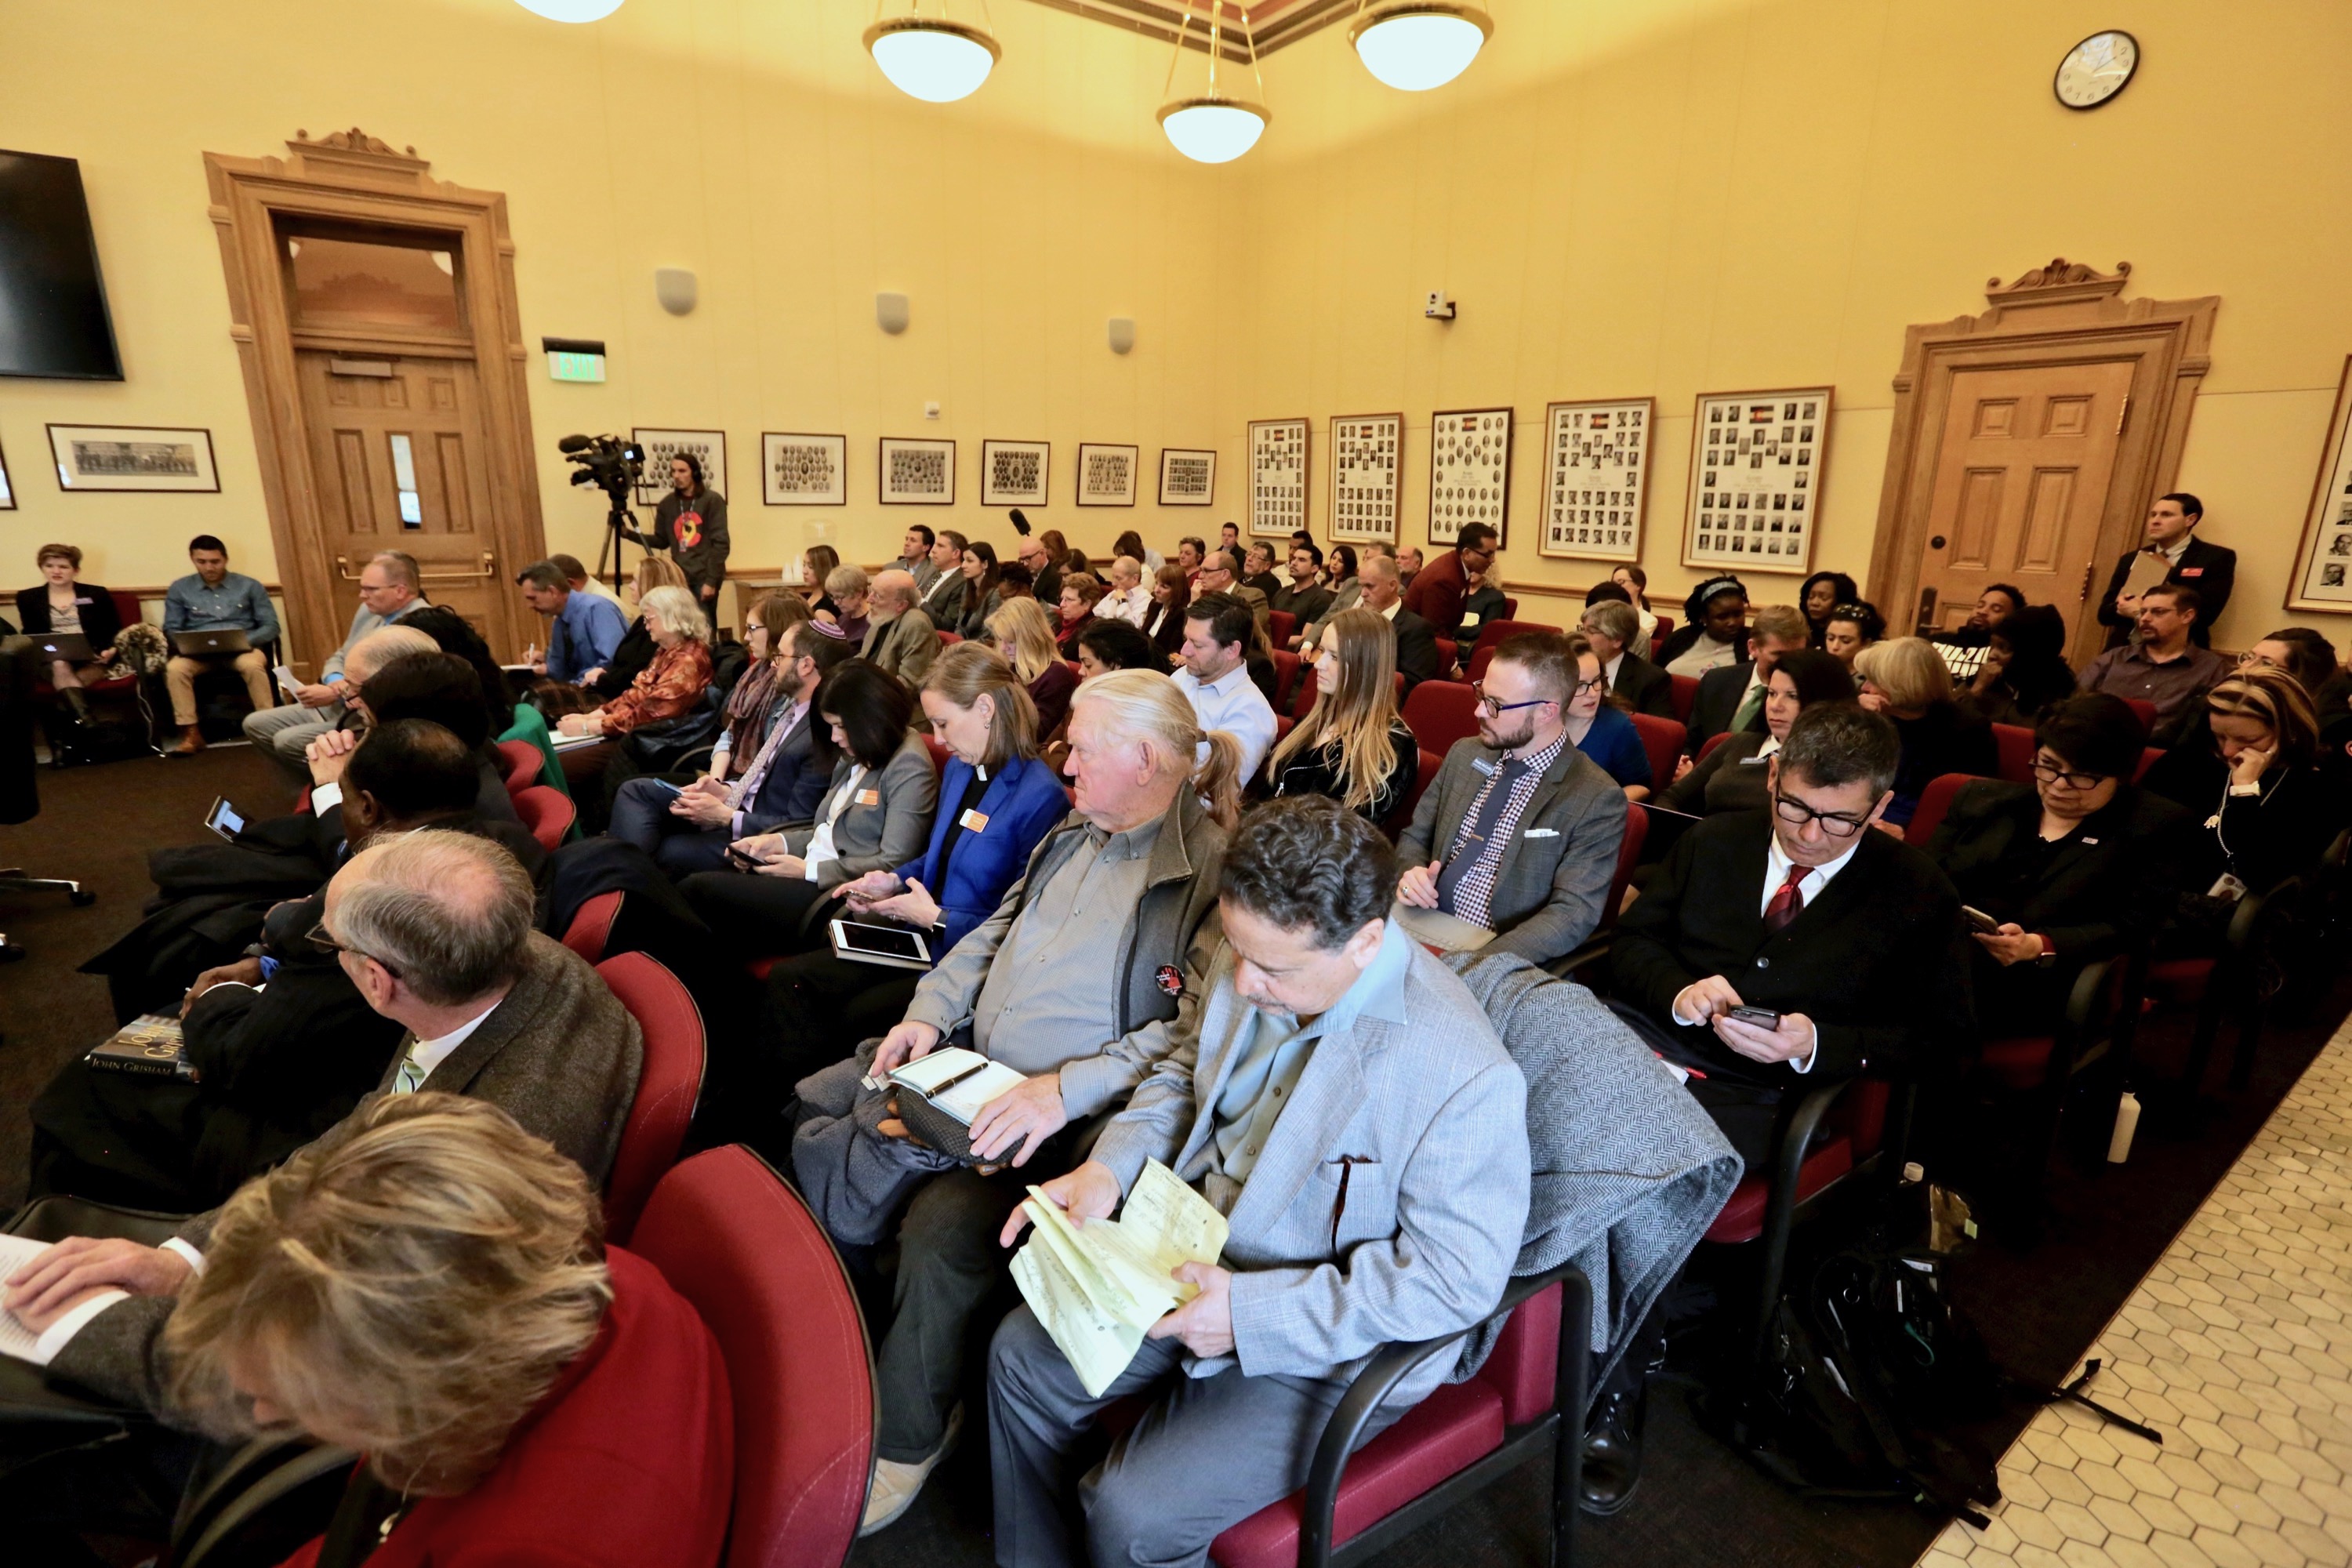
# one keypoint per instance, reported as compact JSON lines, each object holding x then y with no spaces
{"x":573,"y":359}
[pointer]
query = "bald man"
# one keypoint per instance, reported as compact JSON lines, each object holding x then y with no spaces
{"x":902,"y":638}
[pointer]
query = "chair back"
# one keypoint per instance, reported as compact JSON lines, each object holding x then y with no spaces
{"x":1510,"y":607}
{"x":2147,"y":756}
{"x":126,"y":605}
{"x":667,"y":1087}
{"x":1665,"y":628}
{"x":1304,"y":697}
{"x":1934,"y":802}
{"x":1446,"y":650}
{"x":548,"y":813}
{"x":524,"y":762}
{"x":1629,"y":855}
{"x":1494,"y":632}
{"x":940,"y":755}
{"x":1440,"y":712}
{"x":1287,"y":667}
{"x":1423,"y":776}
{"x":592,"y":928}
{"x":1282,"y":725}
{"x":2144,"y":712}
{"x":1663,"y":739}
{"x":1279,"y":625}
{"x":2015,"y":745}
{"x":1711,"y":742}
{"x":948,"y":638}
{"x":1686,"y":696}
{"x":734,"y":1240}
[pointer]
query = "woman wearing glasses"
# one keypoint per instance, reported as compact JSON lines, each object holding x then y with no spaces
{"x":2078,"y":865}
{"x":1730,"y":777}
{"x":1600,"y":728}
{"x":1351,"y":746}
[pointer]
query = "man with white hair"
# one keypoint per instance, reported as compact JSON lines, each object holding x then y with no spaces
{"x":901,"y":638}
{"x":390,"y":587}
{"x":1078,"y":981}
{"x":1127,"y":600}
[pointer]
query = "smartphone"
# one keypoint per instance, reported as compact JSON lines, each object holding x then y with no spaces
{"x":223,"y":820}
{"x":286,"y":678}
{"x":742,"y":861}
{"x":1762,"y":1017}
{"x":1978,"y":918}
{"x":673,"y":791}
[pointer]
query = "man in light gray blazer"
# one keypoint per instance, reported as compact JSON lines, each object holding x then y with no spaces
{"x":1343,"y":1101}
{"x":1520,"y":831}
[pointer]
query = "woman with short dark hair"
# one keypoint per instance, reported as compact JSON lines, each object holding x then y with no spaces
{"x":1823,"y":593}
{"x":1716,"y":633}
{"x":1730,"y":777}
{"x":1171,"y":591}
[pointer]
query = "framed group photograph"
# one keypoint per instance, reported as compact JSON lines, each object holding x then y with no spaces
{"x":132,"y":457}
{"x":1469,"y":473}
{"x":1188,"y":477}
{"x":1756,"y":479}
{"x":1366,"y":458}
{"x":1596,"y":478}
{"x":804,"y":470}
{"x":1014,"y":473}
{"x":707,"y":447}
{"x":916,"y":472}
{"x":2320,"y":572}
{"x":1106,"y":474}
{"x":8,"y":491}
{"x":1278,"y":467}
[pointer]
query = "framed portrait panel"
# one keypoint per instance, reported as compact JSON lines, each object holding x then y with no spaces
{"x":918,"y":472}
{"x":1106,"y":474}
{"x":707,"y":448}
{"x":1757,"y":459}
{"x":1596,"y":478}
{"x":2325,"y":560}
{"x":133,"y":458}
{"x":1469,"y":473}
{"x":1278,"y":452}
{"x":1188,"y":477}
{"x":1367,"y":464}
{"x":1014,"y":473}
{"x":804,"y":470}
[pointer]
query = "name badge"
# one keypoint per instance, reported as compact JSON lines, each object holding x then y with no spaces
{"x":1753,"y":761}
{"x":974,"y":821}
{"x":2192,"y":571}
{"x":1540,"y":832}
{"x":869,"y":797}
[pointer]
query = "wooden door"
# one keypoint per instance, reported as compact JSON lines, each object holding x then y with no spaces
{"x":2021,"y":488}
{"x":397,"y":446}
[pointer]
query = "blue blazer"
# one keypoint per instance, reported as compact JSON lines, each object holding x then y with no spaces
{"x":1022,"y":803}
{"x":1615,"y":742}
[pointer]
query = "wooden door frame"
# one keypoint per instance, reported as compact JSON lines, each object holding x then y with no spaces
{"x":2063,"y":313}
{"x":353,"y":176}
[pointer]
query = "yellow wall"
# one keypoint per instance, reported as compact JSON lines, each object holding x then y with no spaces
{"x":1626,"y":196}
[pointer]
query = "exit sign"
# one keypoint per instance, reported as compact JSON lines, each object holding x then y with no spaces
{"x":573,"y":359}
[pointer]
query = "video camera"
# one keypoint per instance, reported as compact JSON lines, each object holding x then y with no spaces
{"x":609,"y":463}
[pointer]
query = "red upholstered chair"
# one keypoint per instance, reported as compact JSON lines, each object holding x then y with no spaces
{"x":548,"y":813}
{"x":1686,"y":696}
{"x":524,"y":762}
{"x":2036,"y":1070}
{"x":1665,"y":628}
{"x":1303,"y":697}
{"x":1663,"y":739}
{"x":1582,"y":963}
{"x":2147,"y":756}
{"x":940,"y":755}
{"x":1510,"y":608}
{"x":1287,"y":667}
{"x":1494,"y":632}
{"x":732,"y":1238}
{"x":1282,"y":725}
{"x":1446,"y":650}
{"x":1934,"y":802}
{"x":1710,"y":743}
{"x":2015,"y":745}
{"x":1527,"y":1402}
{"x":948,"y":639}
{"x":592,"y":927}
{"x":2146,"y":711}
{"x":1280,"y":626}
{"x":1401,"y":818}
{"x":667,"y":1087}
{"x":1440,"y":712}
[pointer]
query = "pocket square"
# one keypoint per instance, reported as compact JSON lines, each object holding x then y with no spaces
{"x":1540,"y":832}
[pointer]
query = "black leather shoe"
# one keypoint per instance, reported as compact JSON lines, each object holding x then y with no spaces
{"x":1613,"y":1450}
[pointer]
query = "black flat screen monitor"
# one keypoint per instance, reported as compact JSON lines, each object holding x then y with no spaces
{"x":53,"y":320}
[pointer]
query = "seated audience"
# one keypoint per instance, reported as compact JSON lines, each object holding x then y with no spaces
{"x":637,"y":647}
{"x":2076,"y":866}
{"x":1351,"y":746}
{"x":1636,"y":584}
{"x":397,"y":673}
{"x":1346,"y":588}
{"x":1731,"y":696}
{"x":2300,"y":652}
{"x":1994,"y":607}
{"x":1613,"y":630}
{"x":1905,"y":680}
{"x":1600,"y":728}
{"x":2162,"y":665}
{"x":452,"y":633}
{"x":1714,"y":632}
{"x":1114,"y":645}
{"x":1416,"y":639}
{"x":1171,"y":591}
{"x":943,"y":597}
{"x":1311,"y":968}
{"x":915,"y":556}
{"x":437,"y":689}
{"x":1025,"y":633}
{"x":673,"y":685}
{"x":818,"y":563}
{"x":585,"y":630}
{"x":1854,"y":625}
{"x":62,"y":605}
{"x":390,"y":585}
{"x":751,"y":700}
{"x":1078,"y":980}
{"x":1305,"y":598}
{"x":1044,"y":567}
{"x":1481,"y":604}
{"x":430,"y":1288}
{"x":902,"y":640}
{"x":1080,"y":594}
{"x":877,"y":812}
{"x":1257,"y":570}
{"x":1127,"y":600}
{"x":1437,"y":594}
{"x":1731,"y":776}
{"x":1190,"y":550}
{"x":852,"y":595}
{"x":1130,"y":544}
{"x":1821,"y":595}
{"x":1219,"y":573}
{"x":1518,"y":833}
{"x":1408,"y":560}
{"x":1215,"y":679}
{"x":688,"y":830}
{"x":2024,"y":674}
{"x":213,"y":598}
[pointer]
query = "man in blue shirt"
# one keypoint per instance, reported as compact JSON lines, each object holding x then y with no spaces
{"x":585,"y":630}
{"x":214,"y":599}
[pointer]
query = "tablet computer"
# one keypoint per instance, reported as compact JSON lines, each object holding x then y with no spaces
{"x":893,"y":945}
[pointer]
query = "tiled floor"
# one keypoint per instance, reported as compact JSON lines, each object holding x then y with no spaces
{"x":2238,"y":1348}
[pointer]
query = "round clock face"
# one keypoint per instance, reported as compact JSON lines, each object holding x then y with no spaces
{"x":2096,"y":70}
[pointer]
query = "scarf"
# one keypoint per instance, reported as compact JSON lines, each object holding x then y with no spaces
{"x":747,"y":709}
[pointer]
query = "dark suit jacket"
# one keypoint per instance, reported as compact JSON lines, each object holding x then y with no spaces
{"x":1719,"y":693}
{"x":1554,"y":881}
{"x":1876,"y":962}
{"x":99,"y":623}
{"x":2103,"y":888}
{"x":2211,"y":569}
{"x":1645,"y":688}
{"x":1416,"y":648}
{"x":795,"y":782}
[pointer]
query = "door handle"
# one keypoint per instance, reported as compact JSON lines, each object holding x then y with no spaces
{"x":488,"y":568}
{"x":1927,"y":611}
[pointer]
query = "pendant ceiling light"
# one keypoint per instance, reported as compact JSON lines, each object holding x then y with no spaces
{"x":1416,"y":45}
{"x":932,"y":57}
{"x":570,"y":10}
{"x":1213,"y":126}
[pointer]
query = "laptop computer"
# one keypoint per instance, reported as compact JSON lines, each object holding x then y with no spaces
{"x":71,"y":646}
{"x":196,"y":645}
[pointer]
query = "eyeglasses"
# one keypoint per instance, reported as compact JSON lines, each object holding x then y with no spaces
{"x":1796,"y":814}
{"x":1494,"y":709}
{"x":2249,"y":660}
{"x":323,"y":939}
{"x":1598,"y":683}
{"x":2051,"y":773}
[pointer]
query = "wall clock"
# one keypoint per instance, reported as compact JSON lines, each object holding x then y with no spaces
{"x":2096,"y":70}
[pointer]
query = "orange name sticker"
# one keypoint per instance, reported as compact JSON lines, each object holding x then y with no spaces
{"x":869,"y":797}
{"x":974,"y":821}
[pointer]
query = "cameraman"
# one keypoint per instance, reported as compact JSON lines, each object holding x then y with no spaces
{"x":691,"y":524}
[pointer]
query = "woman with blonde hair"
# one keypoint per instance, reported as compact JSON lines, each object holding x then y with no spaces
{"x":1351,"y":746}
{"x":672,"y":682}
{"x":2256,"y":785}
{"x":1022,"y":632}
{"x":636,"y":648}
{"x":1907,"y":681}
{"x":429,"y":1285}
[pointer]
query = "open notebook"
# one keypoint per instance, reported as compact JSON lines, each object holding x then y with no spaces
{"x":15,"y":1339}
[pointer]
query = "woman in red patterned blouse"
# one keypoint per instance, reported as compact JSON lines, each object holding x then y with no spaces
{"x":672,"y":683}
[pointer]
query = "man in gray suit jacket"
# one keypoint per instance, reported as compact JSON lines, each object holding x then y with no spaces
{"x":1519,"y":833}
{"x":434,"y":930}
{"x":1344,"y":1102}
{"x":901,"y":638}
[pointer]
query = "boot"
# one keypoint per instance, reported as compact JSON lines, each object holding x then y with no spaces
{"x":79,"y":703}
{"x":191,"y":740}
{"x":1612,"y":1449}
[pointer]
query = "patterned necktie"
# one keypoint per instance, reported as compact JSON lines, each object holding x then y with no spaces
{"x":1473,"y":849}
{"x":1787,"y":901}
{"x":410,"y":1079}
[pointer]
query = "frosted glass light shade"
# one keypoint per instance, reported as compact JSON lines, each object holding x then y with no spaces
{"x":931,"y":59}
{"x":1212,"y":130}
{"x":570,"y":10}
{"x":1416,"y":45}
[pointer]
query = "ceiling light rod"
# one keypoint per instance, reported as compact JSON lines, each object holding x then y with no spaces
{"x":1213,"y":127}
{"x":1416,"y":45}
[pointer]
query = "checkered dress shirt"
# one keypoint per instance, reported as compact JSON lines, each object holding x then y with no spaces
{"x":1476,"y":891}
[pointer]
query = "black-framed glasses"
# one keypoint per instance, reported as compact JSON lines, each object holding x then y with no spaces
{"x":1598,"y":683}
{"x":323,"y":940}
{"x":2051,"y":773}
{"x":1836,"y":824}
{"x":1494,"y":710}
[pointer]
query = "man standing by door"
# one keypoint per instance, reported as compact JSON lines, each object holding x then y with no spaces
{"x":2172,"y":555}
{"x":213,"y":598}
{"x":691,"y":524}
